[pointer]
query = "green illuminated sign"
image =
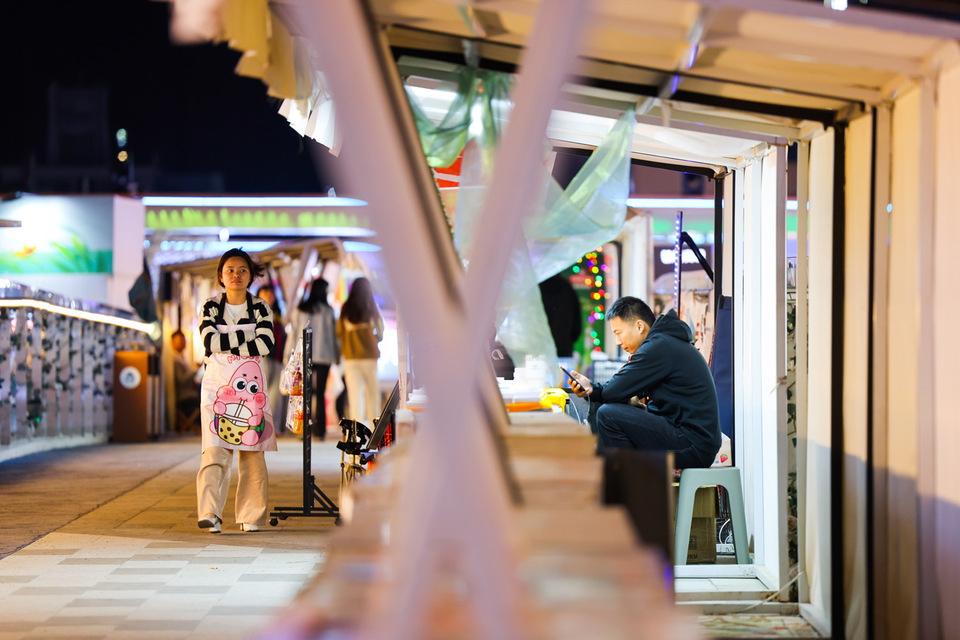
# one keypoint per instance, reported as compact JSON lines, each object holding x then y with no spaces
{"x":187,"y":217}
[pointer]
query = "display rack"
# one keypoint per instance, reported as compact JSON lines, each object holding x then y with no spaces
{"x":316,"y":504}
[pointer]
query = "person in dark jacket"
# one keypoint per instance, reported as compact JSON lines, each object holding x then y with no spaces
{"x":562,"y":306}
{"x":666,"y":370}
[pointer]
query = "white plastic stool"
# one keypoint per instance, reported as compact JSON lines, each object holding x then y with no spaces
{"x":690,"y":481}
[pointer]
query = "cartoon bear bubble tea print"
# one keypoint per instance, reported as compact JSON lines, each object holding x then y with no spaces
{"x":235,"y":407}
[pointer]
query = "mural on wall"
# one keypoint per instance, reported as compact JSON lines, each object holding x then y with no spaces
{"x":57,"y":235}
{"x":46,"y":255}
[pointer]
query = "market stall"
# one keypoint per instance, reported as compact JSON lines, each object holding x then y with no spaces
{"x":866,"y":96}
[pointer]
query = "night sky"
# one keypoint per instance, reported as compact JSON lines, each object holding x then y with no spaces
{"x":182,"y":105}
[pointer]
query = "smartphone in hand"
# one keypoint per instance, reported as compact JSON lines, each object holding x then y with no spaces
{"x":573,"y":381}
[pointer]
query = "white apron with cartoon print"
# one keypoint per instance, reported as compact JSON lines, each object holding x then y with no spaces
{"x":234,"y":408}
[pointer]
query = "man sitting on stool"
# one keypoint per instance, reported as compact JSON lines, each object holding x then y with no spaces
{"x":681,"y":413}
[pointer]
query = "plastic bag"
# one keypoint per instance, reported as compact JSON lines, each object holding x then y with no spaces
{"x":291,"y":378}
{"x":295,"y":414}
{"x":291,"y":383}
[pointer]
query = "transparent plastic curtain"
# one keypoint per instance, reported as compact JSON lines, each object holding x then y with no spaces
{"x":482,"y":100}
{"x":566,"y":225}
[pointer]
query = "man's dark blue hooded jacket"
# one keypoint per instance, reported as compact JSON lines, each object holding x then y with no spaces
{"x":672,"y":373}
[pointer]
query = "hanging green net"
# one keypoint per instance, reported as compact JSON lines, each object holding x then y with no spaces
{"x":482,"y":99}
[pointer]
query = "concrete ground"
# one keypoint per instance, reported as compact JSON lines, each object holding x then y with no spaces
{"x":102,"y":542}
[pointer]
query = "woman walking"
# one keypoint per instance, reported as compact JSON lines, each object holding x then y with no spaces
{"x":237,"y":333}
{"x":360,"y":330}
{"x":315,"y":311}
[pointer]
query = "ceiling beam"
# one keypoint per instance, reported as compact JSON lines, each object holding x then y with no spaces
{"x":818,"y":54}
{"x":721,"y":127}
{"x":794,"y":85}
{"x":853,"y":15}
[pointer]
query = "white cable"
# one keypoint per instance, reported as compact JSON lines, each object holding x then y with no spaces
{"x":772,"y":595}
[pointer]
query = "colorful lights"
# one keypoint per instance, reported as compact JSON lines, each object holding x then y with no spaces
{"x":593,"y":267}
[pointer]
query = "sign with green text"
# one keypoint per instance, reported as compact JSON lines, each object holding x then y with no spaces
{"x":284,"y":219}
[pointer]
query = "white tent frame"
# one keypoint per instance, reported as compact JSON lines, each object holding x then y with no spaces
{"x":911,"y":428}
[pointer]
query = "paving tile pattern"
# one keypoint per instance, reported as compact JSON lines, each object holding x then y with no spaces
{"x":120,"y":556}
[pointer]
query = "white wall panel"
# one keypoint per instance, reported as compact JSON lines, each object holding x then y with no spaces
{"x":816,"y":518}
{"x":946,"y":312}
{"x":771,"y":383}
{"x":856,"y":321}
{"x":903,"y":368}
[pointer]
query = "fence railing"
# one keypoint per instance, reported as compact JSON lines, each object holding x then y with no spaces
{"x":56,"y":368}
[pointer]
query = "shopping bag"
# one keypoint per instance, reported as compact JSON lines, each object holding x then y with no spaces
{"x":234,"y":407}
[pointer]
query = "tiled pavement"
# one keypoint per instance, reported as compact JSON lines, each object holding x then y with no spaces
{"x":135,"y":565}
{"x":102,"y":543}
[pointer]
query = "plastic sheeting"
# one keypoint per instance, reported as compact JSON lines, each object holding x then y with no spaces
{"x":568,"y":224}
{"x":482,"y":97}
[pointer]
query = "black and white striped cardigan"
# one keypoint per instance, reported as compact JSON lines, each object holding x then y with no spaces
{"x":236,"y":342}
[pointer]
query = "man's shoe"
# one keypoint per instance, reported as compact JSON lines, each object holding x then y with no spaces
{"x":248,"y":527}
{"x":210,"y":523}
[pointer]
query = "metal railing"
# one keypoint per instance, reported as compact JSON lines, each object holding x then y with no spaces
{"x":56,"y":368}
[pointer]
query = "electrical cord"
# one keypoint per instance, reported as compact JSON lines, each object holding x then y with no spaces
{"x":772,"y":595}
{"x":720,"y":532}
{"x":574,"y":405}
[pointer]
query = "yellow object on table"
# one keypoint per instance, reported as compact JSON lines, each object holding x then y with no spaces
{"x":553,"y":399}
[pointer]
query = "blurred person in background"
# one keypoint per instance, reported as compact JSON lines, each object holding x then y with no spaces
{"x":360,"y":331}
{"x":316,"y":312}
{"x":186,"y":381}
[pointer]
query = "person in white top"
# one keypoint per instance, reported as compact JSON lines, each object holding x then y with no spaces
{"x":236,"y":329}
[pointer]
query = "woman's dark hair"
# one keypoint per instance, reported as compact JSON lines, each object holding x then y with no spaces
{"x":359,"y":306}
{"x":316,"y":298}
{"x":630,"y":308}
{"x":256,"y":269}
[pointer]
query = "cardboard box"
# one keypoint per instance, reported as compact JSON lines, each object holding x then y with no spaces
{"x":703,"y":529}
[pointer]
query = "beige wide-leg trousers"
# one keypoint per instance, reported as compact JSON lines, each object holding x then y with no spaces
{"x":363,"y":389}
{"x":213,"y":482}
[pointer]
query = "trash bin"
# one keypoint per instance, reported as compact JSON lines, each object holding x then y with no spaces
{"x":131,"y":396}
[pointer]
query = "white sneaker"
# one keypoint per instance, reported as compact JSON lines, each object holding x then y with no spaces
{"x":248,"y":527}
{"x":210,"y":523}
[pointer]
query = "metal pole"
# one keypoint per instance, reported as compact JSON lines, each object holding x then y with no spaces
{"x":307,"y":420}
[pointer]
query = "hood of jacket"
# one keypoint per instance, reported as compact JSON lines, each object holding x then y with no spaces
{"x":670,"y":324}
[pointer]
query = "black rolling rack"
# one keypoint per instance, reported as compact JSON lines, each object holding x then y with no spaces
{"x":316,"y":504}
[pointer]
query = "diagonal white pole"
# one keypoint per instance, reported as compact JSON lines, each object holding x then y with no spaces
{"x":454,"y":507}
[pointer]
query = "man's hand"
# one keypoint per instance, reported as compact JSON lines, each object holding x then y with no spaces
{"x":580,"y":384}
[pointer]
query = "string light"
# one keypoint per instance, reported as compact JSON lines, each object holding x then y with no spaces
{"x":592,"y":265}
{"x":145,"y":327}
